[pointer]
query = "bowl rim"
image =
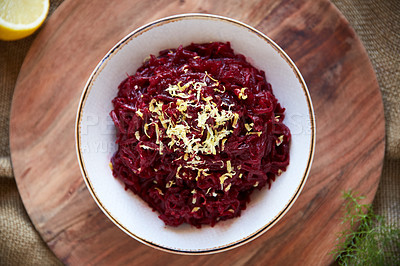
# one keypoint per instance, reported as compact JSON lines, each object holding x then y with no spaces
{"x":130,"y":36}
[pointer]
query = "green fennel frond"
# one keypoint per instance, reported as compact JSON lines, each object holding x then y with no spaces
{"x":373,"y":243}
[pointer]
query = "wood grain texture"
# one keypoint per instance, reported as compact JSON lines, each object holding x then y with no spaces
{"x":346,"y":97}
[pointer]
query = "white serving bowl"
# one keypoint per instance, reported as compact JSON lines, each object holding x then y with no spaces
{"x":95,"y":134}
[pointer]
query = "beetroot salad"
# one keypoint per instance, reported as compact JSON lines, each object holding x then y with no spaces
{"x":198,"y":130}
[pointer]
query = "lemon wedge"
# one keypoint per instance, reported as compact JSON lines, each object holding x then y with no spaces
{"x":21,"y":18}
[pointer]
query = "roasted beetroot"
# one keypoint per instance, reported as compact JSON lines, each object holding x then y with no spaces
{"x":198,"y":129}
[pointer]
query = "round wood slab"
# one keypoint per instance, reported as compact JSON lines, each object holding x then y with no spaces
{"x":346,"y":97}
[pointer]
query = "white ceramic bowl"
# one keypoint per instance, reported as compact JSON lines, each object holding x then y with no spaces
{"x":95,"y":134}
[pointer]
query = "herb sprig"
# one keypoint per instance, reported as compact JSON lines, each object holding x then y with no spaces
{"x":374,"y":243}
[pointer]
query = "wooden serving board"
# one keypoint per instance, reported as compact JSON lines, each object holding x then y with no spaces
{"x":346,"y":97}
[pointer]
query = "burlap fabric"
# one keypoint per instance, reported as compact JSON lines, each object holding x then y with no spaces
{"x":376,"y":23}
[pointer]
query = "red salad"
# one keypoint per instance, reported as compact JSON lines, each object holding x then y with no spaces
{"x":198,"y":130}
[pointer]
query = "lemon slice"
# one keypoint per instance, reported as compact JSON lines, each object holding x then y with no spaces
{"x":20,"y":18}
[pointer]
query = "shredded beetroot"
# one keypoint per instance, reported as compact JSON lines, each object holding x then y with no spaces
{"x":198,"y":129}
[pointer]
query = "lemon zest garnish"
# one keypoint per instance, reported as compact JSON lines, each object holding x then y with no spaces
{"x":248,"y":127}
{"x":222,"y":179}
{"x":216,"y":84}
{"x":279,"y":140}
{"x":153,"y":108}
{"x":228,"y":166}
{"x":177,"y":159}
{"x":171,"y":143}
{"x":229,"y":105}
{"x":157,"y":134}
{"x":139,"y":113}
{"x":159,"y":191}
{"x":147,"y":58}
{"x":179,"y":86}
{"x":183,"y":95}
{"x":223,"y":144}
{"x":185,"y":68}
{"x":228,"y":187}
{"x":159,"y":107}
{"x":147,"y":147}
{"x":165,"y":122}
{"x":197,"y":86}
{"x":200,"y":172}
{"x":161,"y":147}
{"x":218,"y":90}
{"x":259,"y":133}
{"x":208,"y":99}
{"x":184,"y":87}
{"x":242,"y":94}
{"x":177,"y":131}
{"x":170,"y":184}
{"x":195,"y":209}
{"x":146,"y":127}
{"x":177,"y":172}
{"x":182,"y":105}
{"x":195,"y":162}
{"x":201,"y":119}
{"x":225,"y":176}
{"x":235,"y":120}
{"x":212,"y":135}
{"x":172,"y":89}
